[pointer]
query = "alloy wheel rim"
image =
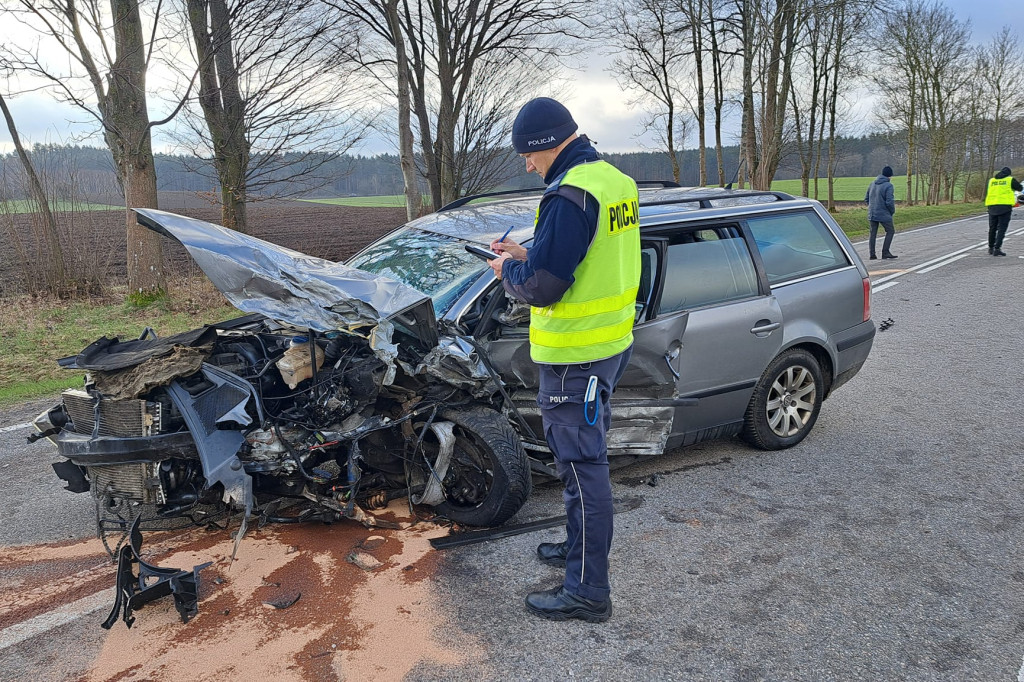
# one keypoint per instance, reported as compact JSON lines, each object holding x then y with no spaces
{"x":791,"y":401}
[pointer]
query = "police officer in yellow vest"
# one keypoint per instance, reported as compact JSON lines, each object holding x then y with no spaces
{"x":580,"y":277}
{"x":1000,"y":198}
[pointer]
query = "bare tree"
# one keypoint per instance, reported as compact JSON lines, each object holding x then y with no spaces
{"x":699,"y":23}
{"x":457,"y":51}
{"x":849,"y":34}
{"x":55,"y":254}
{"x":651,"y":51}
{"x":944,"y":50}
{"x":899,"y":78}
{"x":1001,"y":64}
{"x":272,"y":89}
{"x":406,"y":140}
{"x":721,"y":60}
{"x":767,"y":33}
{"x":108,"y":48}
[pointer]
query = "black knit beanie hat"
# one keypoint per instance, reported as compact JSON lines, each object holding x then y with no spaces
{"x":542,"y":124}
{"x":1006,"y":170}
{"x":887,"y":171}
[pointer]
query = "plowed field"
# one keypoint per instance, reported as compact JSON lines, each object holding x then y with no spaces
{"x":96,"y":239}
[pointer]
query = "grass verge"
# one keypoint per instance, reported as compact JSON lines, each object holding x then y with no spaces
{"x":35,"y":333}
{"x":848,"y":189}
{"x":854,"y":221}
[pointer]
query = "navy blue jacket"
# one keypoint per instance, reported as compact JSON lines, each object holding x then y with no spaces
{"x":881,"y":201}
{"x":565,"y":229}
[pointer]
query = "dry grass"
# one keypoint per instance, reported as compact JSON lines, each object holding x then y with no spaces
{"x":36,"y":331}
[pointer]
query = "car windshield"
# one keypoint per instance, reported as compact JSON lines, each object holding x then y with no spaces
{"x":436,"y":264}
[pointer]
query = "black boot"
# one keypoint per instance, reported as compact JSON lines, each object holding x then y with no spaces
{"x":872,"y":257}
{"x":990,"y":250}
{"x":998,"y":252}
{"x":889,"y":255}
{"x":553,"y":553}
{"x":557,"y":604}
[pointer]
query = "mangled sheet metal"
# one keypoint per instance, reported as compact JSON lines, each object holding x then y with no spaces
{"x":290,"y":287}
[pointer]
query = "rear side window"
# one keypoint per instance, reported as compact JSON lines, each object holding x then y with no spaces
{"x":795,"y":245}
{"x":704,"y":268}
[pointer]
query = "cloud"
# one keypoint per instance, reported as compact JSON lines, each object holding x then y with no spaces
{"x":41,"y":120}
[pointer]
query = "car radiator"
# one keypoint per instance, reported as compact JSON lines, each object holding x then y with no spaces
{"x":138,"y":481}
{"x":117,"y":418}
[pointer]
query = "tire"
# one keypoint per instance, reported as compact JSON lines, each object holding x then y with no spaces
{"x":785,"y":403}
{"x":488,"y":479}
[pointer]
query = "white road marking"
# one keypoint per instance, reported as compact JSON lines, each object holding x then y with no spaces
{"x":15,"y":427}
{"x":883,"y":287}
{"x":945,"y":262}
{"x":1020,"y":673}
{"x":933,"y":261}
{"x":18,"y":633}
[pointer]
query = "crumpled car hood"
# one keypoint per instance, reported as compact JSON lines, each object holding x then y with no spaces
{"x":257,"y":276}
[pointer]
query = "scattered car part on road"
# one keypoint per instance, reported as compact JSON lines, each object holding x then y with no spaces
{"x":152,"y":582}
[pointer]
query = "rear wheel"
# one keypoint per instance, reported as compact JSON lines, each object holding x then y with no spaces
{"x":786,"y":401}
{"x":488,"y":479}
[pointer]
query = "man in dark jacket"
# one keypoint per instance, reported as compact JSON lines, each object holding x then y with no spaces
{"x":1000,"y":198}
{"x":881,"y":208}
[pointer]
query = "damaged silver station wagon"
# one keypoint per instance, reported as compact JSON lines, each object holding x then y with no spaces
{"x":407,"y":372}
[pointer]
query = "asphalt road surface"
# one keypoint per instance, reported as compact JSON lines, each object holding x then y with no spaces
{"x":886,"y":546}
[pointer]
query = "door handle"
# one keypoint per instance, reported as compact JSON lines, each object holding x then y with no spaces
{"x":765,"y":327}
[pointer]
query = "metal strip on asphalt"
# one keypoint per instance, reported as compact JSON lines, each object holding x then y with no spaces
{"x":19,"y":632}
{"x":15,"y":427}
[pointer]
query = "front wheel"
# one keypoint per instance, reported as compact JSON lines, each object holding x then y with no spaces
{"x":488,"y":479}
{"x":785,"y":403}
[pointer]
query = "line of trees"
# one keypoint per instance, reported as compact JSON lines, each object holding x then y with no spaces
{"x":795,"y":68}
{"x":380,"y":174}
{"x":266,"y":96}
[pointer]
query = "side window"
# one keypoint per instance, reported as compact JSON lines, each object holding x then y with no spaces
{"x":795,"y":245}
{"x":706,"y":267}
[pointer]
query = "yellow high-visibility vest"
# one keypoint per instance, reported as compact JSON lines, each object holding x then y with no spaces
{"x":1000,"y":192}
{"x":594,"y":318}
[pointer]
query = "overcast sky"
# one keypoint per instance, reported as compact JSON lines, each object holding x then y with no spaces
{"x":592,"y":96}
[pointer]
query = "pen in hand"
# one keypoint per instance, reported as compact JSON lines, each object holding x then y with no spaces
{"x":506,"y":233}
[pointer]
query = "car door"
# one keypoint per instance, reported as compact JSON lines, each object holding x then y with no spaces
{"x":733,"y":327}
{"x":644,"y":404}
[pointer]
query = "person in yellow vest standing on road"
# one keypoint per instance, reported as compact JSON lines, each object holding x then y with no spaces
{"x":580,"y":277}
{"x":1000,"y":198}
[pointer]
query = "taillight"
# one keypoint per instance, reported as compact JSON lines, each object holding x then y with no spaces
{"x":867,"y":299}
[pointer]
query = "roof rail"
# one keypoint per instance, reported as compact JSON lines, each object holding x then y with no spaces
{"x":705,"y":200}
{"x":657,"y":184}
{"x":461,"y":201}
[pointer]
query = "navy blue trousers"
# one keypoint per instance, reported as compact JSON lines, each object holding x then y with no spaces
{"x":581,"y":455}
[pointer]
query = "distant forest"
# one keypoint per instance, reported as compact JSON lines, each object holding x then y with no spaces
{"x":88,"y":173}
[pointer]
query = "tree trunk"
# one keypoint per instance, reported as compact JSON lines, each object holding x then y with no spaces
{"x":697,"y":37}
{"x":406,"y":153}
{"x":748,"y":134}
{"x":719,"y":91}
{"x":223,"y":109}
{"x":127,"y":131}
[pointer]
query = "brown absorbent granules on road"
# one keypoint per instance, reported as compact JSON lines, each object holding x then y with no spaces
{"x":347,"y":623}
